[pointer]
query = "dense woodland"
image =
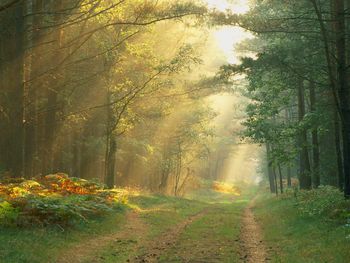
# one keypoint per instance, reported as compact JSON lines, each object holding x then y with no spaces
{"x":92,"y":89}
{"x":131,"y":132}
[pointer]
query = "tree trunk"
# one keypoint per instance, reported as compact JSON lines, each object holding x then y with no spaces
{"x":111,"y":145}
{"x":16,"y":95}
{"x":305,"y":169}
{"x":337,"y":141}
{"x":269,"y":170}
{"x":110,"y":178}
{"x":52,"y":95}
{"x":315,"y":142}
{"x":289,"y":177}
{"x":275,"y":180}
{"x":344,"y":96}
{"x":32,"y":69}
{"x":281,"y":178}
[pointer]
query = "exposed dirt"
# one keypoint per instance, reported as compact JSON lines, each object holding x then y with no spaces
{"x":253,"y":249}
{"x":87,"y":251}
{"x":168,"y":239}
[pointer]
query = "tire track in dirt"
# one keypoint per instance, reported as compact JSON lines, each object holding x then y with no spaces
{"x":154,"y":249}
{"x":252,"y":246}
{"x":87,"y":251}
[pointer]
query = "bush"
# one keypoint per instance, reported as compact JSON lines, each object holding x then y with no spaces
{"x":326,"y":200}
{"x":8,"y":213}
{"x":56,"y":199}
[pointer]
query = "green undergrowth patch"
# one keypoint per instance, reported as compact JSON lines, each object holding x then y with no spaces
{"x":45,"y":244}
{"x":306,"y":226}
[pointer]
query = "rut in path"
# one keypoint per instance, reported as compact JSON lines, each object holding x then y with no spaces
{"x":253,"y":249}
{"x":167,"y":240}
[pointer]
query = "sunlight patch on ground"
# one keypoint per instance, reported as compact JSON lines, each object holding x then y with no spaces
{"x":226,"y":188}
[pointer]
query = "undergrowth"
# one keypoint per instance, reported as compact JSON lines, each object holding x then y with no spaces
{"x":305,"y":226}
{"x":326,"y":201}
{"x":55,"y":200}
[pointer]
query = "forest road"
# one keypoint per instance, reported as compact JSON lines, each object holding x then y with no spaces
{"x":86,"y":251}
{"x":156,"y":248}
{"x":218,"y":233}
{"x":252,"y":246}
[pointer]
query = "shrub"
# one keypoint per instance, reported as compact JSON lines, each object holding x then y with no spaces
{"x":56,"y":199}
{"x":326,"y":200}
{"x":8,"y":213}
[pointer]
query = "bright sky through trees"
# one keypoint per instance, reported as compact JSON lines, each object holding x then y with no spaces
{"x":239,"y":7}
{"x":228,"y":36}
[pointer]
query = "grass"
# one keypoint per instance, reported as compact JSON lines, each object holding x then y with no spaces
{"x":44,"y":244}
{"x":296,"y":236}
{"x":212,"y":237}
{"x":311,"y":228}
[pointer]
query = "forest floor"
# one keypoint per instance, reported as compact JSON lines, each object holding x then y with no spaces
{"x":207,"y":226}
{"x":204,"y":228}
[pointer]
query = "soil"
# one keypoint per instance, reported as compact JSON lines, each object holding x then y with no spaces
{"x":253,"y":249}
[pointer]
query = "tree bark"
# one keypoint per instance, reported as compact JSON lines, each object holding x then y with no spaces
{"x":305,"y":168}
{"x":315,"y":141}
{"x":337,"y":142}
{"x":111,"y":145}
{"x":33,"y":65}
{"x":281,"y":178}
{"x":52,"y":97}
{"x":269,"y":170}
{"x":289,"y":177}
{"x":275,"y":180}
{"x":110,"y":178}
{"x":344,"y":94}
{"x":16,"y":94}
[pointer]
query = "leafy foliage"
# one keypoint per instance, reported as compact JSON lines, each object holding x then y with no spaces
{"x":8,"y":214}
{"x":56,"y":199}
{"x":326,"y":201}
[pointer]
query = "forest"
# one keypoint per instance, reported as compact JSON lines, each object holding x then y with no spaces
{"x":174,"y":131}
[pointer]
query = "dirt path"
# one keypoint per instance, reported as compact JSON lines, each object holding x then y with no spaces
{"x":168,"y":239}
{"x":87,"y":251}
{"x":135,"y":234}
{"x":253,"y":249}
